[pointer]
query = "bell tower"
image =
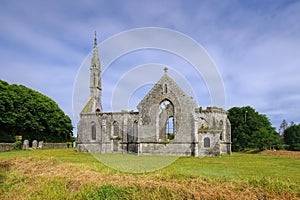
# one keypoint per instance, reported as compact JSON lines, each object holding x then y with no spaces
{"x":95,"y":79}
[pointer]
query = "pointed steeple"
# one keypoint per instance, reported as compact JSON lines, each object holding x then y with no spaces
{"x":95,"y":39}
{"x":95,"y":78}
{"x":95,"y":63}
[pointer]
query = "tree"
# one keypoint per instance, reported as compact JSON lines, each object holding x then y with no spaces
{"x":31,"y":114}
{"x":283,"y":126}
{"x":292,"y":137}
{"x":249,"y":129}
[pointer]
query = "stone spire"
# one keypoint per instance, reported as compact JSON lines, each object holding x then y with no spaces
{"x":95,"y":63}
{"x":95,"y":78}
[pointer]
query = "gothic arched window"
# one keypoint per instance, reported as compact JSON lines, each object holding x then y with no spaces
{"x":116,"y":128}
{"x":135,"y":130}
{"x":166,"y":120}
{"x":93,"y":130}
{"x":206,"y":142}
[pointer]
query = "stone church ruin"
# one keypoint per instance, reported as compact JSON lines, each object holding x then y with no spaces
{"x":168,"y":122}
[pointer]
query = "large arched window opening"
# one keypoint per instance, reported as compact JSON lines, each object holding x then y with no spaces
{"x":166,"y":120}
{"x":93,"y":130}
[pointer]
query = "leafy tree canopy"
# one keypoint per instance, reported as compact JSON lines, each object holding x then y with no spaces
{"x":31,"y":114}
{"x":292,"y":137}
{"x":249,"y":129}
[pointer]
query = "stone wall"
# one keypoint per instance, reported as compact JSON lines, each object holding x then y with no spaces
{"x":172,"y":148}
{"x":6,"y":147}
{"x":112,"y":131}
{"x":10,"y":146}
{"x":55,"y":145}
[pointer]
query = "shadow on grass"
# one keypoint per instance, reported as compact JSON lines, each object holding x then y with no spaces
{"x":252,"y":151}
{"x":132,"y":163}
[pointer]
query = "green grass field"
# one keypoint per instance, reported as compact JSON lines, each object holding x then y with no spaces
{"x":66,"y":174}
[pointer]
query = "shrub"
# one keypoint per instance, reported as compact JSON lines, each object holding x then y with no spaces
{"x":18,"y":145}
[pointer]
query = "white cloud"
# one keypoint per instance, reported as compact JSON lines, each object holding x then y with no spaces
{"x":255,"y":46}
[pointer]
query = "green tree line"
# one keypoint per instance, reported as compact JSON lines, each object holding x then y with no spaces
{"x":251,"y":130}
{"x":32,"y":115}
{"x":291,"y":137}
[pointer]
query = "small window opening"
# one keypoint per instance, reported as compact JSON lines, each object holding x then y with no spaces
{"x":166,"y":88}
{"x":116,"y":128}
{"x":93,"y":131}
{"x":206,"y":142}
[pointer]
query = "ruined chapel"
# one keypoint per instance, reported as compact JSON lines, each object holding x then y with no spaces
{"x":168,"y":122}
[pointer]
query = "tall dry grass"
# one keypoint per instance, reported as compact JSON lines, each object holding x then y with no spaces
{"x":61,"y":174}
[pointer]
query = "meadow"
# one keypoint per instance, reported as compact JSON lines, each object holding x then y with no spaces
{"x":66,"y":174}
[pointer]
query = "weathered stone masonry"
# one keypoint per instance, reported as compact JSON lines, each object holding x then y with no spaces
{"x":168,"y":122}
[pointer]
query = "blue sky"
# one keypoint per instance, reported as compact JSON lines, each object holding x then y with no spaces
{"x":254,"y":44}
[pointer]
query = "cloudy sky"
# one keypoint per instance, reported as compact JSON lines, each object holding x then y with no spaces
{"x":255,"y":46}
